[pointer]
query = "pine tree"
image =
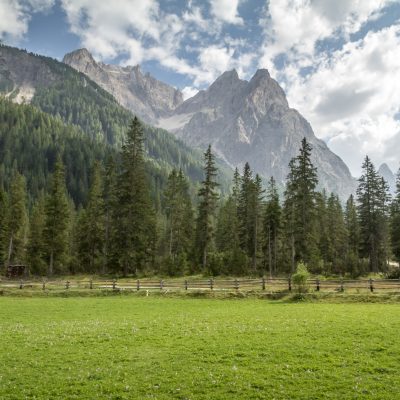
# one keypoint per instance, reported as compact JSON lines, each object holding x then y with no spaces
{"x":179,"y":211}
{"x":110,"y":199}
{"x":373,"y":200}
{"x":17,"y":220}
{"x":395,"y":220}
{"x":337,"y":234}
{"x":353,"y":237}
{"x":135,"y":216}
{"x":206,"y":209}
{"x":3,"y":226}
{"x":244,"y":211}
{"x":91,"y":225}
{"x":36,"y":246}
{"x":57,"y":214}
{"x":256,"y":218}
{"x":300,"y":208}
{"x":272,"y":224}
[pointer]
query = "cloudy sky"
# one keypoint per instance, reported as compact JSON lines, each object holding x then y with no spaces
{"x":338,"y":60}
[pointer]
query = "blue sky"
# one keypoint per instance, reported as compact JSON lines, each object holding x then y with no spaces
{"x":337,"y":60}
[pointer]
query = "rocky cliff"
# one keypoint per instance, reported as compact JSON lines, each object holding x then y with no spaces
{"x":140,"y":93}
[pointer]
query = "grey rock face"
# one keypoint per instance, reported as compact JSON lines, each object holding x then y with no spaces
{"x":144,"y":95}
{"x":386,"y":173}
{"x":252,"y":121}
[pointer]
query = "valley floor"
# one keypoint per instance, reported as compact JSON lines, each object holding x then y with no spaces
{"x":180,"y":348}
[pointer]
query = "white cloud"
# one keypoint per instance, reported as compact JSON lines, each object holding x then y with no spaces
{"x":13,"y":20}
{"x":16,"y":14}
{"x":226,"y":11}
{"x":352,"y":97}
{"x":188,"y":92}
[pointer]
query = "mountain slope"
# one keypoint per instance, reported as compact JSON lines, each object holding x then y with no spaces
{"x":252,"y":121}
{"x":389,"y":177}
{"x":244,"y":121}
{"x":60,"y":90}
{"x":140,"y":93}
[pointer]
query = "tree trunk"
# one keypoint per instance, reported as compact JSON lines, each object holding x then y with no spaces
{"x":293,"y":255}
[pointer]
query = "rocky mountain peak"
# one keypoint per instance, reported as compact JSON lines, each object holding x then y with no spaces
{"x":141,"y":93}
{"x":387,"y":174}
{"x":80,"y":59}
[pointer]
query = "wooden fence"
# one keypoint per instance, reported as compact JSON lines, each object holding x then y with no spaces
{"x":272,"y":285}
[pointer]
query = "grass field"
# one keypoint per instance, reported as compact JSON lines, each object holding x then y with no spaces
{"x":165,"y":348}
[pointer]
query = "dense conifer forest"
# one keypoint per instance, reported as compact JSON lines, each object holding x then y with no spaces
{"x":71,"y":203}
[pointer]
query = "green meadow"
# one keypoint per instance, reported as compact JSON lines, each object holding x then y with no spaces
{"x":126,"y":347}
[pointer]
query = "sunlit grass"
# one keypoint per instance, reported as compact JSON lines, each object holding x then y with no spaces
{"x":165,"y":348}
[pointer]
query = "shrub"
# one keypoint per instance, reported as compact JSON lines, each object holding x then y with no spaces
{"x":300,"y":277}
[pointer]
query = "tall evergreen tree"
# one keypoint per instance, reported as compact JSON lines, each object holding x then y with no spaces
{"x":272,"y":224}
{"x":207,"y":208}
{"x":179,"y":214}
{"x":57,"y":214}
{"x":372,"y":199}
{"x":300,"y":209}
{"x":135,"y":216}
{"x":91,"y":226}
{"x":3,"y":226}
{"x":17,"y":220}
{"x":395,"y":220}
{"x":36,"y":247}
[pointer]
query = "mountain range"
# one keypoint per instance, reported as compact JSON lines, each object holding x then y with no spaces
{"x":243,"y":120}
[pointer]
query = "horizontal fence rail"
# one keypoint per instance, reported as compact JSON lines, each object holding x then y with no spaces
{"x":273,"y":285}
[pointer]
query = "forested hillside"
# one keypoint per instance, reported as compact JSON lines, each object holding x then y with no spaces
{"x":63,"y":92}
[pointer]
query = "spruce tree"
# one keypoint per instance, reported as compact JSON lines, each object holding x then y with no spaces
{"x":373,"y":201}
{"x":3,"y":226}
{"x":179,"y":212}
{"x":337,"y":234}
{"x":57,"y":214}
{"x":300,"y":207}
{"x":272,"y":224}
{"x":91,"y":225}
{"x":353,"y":237}
{"x":208,"y":197}
{"x":17,"y":233}
{"x":135,"y":216}
{"x":36,"y":246}
{"x":395,"y":220}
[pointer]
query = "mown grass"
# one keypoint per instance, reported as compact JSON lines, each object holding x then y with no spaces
{"x":128,"y":347}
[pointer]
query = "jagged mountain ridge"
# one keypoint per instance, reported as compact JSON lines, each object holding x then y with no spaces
{"x":252,"y":121}
{"x":386,"y":173}
{"x":244,"y":121}
{"x":144,"y":95}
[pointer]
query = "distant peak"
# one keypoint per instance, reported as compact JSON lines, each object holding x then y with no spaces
{"x":231,"y":75}
{"x":384,"y":168}
{"x":261,"y":73}
{"x":80,"y":54}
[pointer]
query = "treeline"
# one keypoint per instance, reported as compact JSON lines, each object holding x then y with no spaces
{"x":253,"y":231}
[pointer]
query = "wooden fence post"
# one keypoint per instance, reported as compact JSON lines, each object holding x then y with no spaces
{"x":67,"y":285}
{"x":341,"y":285}
{"x":263,"y":283}
{"x":161,"y":284}
{"x":114,"y":284}
{"x":371,"y":285}
{"x":211,"y":282}
{"x":290,"y":283}
{"x":43,"y":285}
{"x":138,"y":284}
{"x":236,"y":284}
{"x":186,"y":284}
{"x":318,"y":284}
{"x":21,"y":284}
{"x":91,"y":284}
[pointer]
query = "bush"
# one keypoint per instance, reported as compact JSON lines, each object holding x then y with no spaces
{"x":300,"y":278}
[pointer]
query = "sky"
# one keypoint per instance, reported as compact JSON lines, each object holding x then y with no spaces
{"x":337,"y":60}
